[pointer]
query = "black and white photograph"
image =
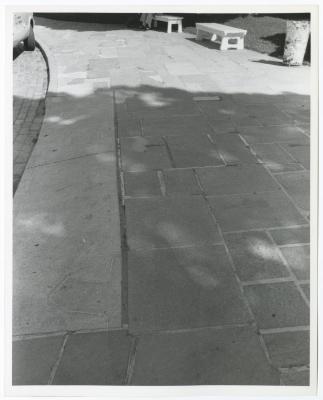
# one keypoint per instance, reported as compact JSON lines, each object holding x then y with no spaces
{"x":163,"y":232}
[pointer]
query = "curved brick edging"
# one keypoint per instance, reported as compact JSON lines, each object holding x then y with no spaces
{"x":30,"y":84}
{"x":51,"y":64}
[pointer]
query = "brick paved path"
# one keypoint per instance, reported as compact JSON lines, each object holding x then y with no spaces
{"x":213,"y":156}
{"x":29,"y":89}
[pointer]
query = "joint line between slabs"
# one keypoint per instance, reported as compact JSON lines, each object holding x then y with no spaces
{"x":131,"y":361}
{"x":169,"y":153}
{"x":122,"y":217}
{"x":162,"y":183}
{"x":58,"y":361}
{"x":269,"y":331}
{"x":267,"y":281}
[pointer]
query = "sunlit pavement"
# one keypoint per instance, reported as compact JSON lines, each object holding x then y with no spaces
{"x":161,"y":227}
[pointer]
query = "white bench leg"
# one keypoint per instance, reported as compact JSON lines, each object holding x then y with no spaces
{"x":224,"y":43}
{"x":240,"y":44}
{"x":169,"y":27}
{"x":180,"y":29}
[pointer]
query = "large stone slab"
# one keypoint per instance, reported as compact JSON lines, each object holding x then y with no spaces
{"x":255,"y":211}
{"x":296,"y":378}
{"x":255,"y":256}
{"x":191,"y":151}
{"x":236,"y":179}
{"x":291,"y":235}
{"x":140,"y":154}
{"x":168,"y":222}
{"x":300,"y":150}
{"x":277,"y":305}
{"x":66,"y":220}
{"x":75,"y":127}
{"x":94,"y":359}
{"x":231,"y":356}
{"x":268,"y":115}
{"x":183,"y":288}
{"x":275,"y":158}
{"x":145,"y":183}
{"x":33,"y":360}
{"x":297,"y":185}
{"x":233,"y":150}
{"x":181,"y":181}
{"x":129,"y":127}
{"x":178,"y":125}
{"x":270,"y":134}
{"x":298,"y":258}
{"x":288,"y":349}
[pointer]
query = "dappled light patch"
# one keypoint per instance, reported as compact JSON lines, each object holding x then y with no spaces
{"x":202,"y":276}
{"x":44,"y":223}
{"x":263,"y":249}
{"x":172,"y":233}
{"x":106,"y":157}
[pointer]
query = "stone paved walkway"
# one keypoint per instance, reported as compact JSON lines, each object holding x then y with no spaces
{"x":213,"y":173}
{"x":29,"y":91}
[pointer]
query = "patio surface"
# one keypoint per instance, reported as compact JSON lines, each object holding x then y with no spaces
{"x":161,"y":228}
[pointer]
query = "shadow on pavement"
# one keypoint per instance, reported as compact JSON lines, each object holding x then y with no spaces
{"x":160,"y":132}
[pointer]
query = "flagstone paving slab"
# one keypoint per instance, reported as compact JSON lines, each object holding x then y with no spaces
{"x":168,"y":222}
{"x":129,"y":127}
{"x":33,"y":360}
{"x":296,"y":378}
{"x":277,"y":305}
{"x":223,"y":110}
{"x":298,"y":258}
{"x":291,"y":235}
{"x":181,"y":181}
{"x":62,"y":211}
{"x":140,"y":154}
{"x":235,"y":179}
{"x":233,"y":150}
{"x":297,"y":185}
{"x":255,"y":256}
{"x":178,"y":107}
{"x":144,"y":183}
{"x":269,"y":115}
{"x":173,"y":126}
{"x":183,"y":288}
{"x":220,"y":127}
{"x":94,"y":359}
{"x":191,"y":151}
{"x":288,"y":349}
{"x":255,"y":211}
{"x":270,"y":134}
{"x":203,"y":357}
{"x":276,"y":158}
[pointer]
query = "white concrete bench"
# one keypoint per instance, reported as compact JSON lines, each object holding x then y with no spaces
{"x":171,"y":20}
{"x":227,"y":36}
